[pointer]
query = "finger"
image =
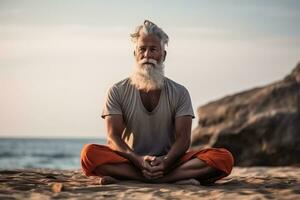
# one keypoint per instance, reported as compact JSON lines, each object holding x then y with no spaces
{"x":151,"y":168}
{"x":147,"y":177}
{"x":153,"y":175}
{"x":147,"y":166}
{"x":146,"y":174}
{"x":146,"y":162}
{"x":156,"y":168}
{"x":149,"y":158}
{"x":157,"y":177}
{"x":155,"y":162}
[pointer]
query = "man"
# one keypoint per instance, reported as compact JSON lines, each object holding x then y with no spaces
{"x":148,"y":119}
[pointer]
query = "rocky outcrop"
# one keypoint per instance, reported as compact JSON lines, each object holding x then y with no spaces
{"x":260,"y":126}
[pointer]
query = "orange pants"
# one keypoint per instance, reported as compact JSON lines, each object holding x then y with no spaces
{"x":94,"y":155}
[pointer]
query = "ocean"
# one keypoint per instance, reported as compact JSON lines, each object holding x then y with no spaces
{"x":17,"y":153}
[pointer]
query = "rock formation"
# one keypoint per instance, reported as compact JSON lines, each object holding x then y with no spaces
{"x":260,"y":126}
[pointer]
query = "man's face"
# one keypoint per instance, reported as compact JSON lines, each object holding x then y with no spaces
{"x":148,"y":47}
{"x":148,"y":72}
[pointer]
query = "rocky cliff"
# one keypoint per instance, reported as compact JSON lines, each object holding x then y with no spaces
{"x":260,"y":126}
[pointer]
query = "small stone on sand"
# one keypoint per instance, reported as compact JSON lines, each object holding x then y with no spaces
{"x":57,"y":187}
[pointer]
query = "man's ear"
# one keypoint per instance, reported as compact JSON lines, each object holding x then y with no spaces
{"x":134,"y":52}
{"x":165,"y":55}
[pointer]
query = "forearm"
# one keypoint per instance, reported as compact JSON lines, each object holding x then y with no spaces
{"x":115,"y":127}
{"x":178,"y":149}
{"x":119,"y":145}
{"x":182,"y":141}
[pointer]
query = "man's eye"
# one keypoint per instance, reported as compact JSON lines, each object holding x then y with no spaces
{"x":142,"y":49}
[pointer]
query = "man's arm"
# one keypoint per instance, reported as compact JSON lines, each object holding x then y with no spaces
{"x":183,"y":126}
{"x":115,"y":126}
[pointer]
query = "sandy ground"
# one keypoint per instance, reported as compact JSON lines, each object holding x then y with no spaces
{"x":243,"y":183}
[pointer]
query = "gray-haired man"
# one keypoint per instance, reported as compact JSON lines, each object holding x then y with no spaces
{"x":148,"y":118}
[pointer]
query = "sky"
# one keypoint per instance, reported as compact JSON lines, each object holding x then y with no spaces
{"x":58,"y":58}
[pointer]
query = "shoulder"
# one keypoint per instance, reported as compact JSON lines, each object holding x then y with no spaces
{"x":119,"y":89}
{"x":175,"y":87}
{"x":176,"y":93}
{"x":120,"y":86}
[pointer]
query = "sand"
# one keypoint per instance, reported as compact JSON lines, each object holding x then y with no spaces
{"x":243,"y":183}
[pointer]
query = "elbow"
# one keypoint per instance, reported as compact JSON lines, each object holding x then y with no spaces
{"x":111,"y":141}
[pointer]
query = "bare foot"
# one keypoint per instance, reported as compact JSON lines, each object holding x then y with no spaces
{"x":191,"y":181}
{"x":106,"y":180}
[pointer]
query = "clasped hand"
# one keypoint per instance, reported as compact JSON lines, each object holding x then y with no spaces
{"x":153,"y":167}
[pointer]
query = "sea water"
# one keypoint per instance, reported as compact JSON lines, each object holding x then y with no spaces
{"x":42,"y":153}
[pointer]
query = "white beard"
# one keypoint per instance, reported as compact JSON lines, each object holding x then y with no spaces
{"x":148,"y":75}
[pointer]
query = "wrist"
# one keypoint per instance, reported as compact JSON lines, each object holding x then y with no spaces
{"x":166,"y":162}
{"x":137,"y":160}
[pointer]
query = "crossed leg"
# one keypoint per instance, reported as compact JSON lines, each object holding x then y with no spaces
{"x":192,"y":169}
{"x":114,"y":172}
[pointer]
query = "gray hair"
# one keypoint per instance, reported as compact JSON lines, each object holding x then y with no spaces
{"x":150,"y":28}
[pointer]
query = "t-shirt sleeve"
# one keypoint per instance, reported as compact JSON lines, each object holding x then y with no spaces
{"x":184,"y":105}
{"x":112,"y":103}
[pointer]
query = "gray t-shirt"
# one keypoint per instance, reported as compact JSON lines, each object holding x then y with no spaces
{"x":148,"y":133}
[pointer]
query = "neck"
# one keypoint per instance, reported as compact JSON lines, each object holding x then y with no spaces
{"x":149,"y":91}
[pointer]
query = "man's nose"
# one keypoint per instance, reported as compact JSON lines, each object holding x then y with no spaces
{"x":147,"y":54}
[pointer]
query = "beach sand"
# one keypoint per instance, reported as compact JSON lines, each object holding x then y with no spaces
{"x":243,"y":183}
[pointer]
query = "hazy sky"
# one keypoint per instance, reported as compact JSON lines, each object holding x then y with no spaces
{"x":58,"y":58}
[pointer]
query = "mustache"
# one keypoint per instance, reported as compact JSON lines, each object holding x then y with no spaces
{"x":147,"y":61}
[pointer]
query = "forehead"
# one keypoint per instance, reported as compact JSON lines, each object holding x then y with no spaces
{"x":148,"y":40}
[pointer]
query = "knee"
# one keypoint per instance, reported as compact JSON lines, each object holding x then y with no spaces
{"x":228,"y":160}
{"x":229,"y":157}
{"x":87,"y":150}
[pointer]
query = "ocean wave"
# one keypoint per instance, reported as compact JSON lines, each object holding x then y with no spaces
{"x":42,"y":155}
{"x":54,"y":155}
{"x":10,"y":155}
